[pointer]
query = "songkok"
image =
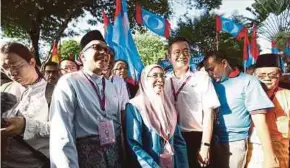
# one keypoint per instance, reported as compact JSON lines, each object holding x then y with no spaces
{"x":90,"y":36}
{"x":268,"y":60}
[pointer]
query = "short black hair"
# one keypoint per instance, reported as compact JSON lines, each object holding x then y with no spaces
{"x":50,"y":63}
{"x":216,"y":55}
{"x":176,"y":40}
{"x":199,"y":66}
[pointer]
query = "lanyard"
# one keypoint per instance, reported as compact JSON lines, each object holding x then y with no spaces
{"x":102,"y":101}
{"x":175,"y":94}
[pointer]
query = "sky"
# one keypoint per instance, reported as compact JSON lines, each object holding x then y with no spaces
{"x":227,"y":8}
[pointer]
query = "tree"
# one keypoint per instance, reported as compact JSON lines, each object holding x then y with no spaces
{"x":151,"y":48}
{"x":201,"y":33}
{"x":272,"y":17}
{"x":69,"y":48}
{"x":48,"y":19}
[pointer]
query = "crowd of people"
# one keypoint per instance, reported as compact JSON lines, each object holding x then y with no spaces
{"x":94,"y":115}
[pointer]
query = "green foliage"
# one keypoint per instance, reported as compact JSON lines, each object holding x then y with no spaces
{"x":201,"y":33}
{"x":281,"y":40}
{"x":151,"y":48}
{"x":48,"y":19}
{"x":69,"y":48}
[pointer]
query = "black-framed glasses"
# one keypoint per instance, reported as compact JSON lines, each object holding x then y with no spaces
{"x":273,"y":75}
{"x":98,"y":48}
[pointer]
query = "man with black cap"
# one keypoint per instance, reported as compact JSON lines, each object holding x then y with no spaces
{"x":85,"y":113}
{"x":268,"y":71}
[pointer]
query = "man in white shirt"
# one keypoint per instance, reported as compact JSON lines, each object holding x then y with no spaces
{"x":195,"y":100}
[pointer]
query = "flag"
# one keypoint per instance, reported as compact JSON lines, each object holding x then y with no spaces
{"x":287,"y":48}
{"x":274,"y":48}
{"x":254,"y":45}
{"x":54,"y":55}
{"x":123,"y":41}
{"x":157,"y":24}
{"x":248,"y":58}
{"x":227,"y":25}
{"x":108,"y":29}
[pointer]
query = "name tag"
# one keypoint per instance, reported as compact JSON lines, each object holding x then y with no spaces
{"x":106,"y":132}
{"x":166,"y":160}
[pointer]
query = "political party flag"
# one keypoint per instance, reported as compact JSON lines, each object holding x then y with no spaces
{"x":54,"y":55}
{"x":227,"y":25}
{"x":124,"y":45}
{"x":156,"y":23}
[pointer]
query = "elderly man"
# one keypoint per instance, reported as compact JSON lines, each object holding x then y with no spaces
{"x":268,"y":71}
{"x":68,"y":66}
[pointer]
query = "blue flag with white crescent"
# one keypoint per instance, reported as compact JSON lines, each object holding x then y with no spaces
{"x":123,"y":42}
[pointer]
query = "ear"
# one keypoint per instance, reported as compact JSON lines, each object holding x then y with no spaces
{"x":225,"y":63}
{"x":82,"y":57}
{"x":32,"y":62}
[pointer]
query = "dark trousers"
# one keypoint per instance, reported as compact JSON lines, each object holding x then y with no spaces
{"x":193,"y":143}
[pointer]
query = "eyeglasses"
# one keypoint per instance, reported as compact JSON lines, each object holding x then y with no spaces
{"x":273,"y":75}
{"x":185,"y":52}
{"x":156,"y":76}
{"x":98,"y":48}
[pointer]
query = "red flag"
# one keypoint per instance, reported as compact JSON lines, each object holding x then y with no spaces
{"x":139,"y":14}
{"x":105,"y":19}
{"x":218,"y":23}
{"x":167,"y":29}
{"x":118,"y":7}
{"x":54,"y":55}
{"x":246,"y":48}
{"x":254,"y":44}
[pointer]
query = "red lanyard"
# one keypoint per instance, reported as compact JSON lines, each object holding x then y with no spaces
{"x":102,"y":101}
{"x":175,"y":94}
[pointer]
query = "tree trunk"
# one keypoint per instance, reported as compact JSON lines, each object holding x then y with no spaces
{"x":34,"y":34}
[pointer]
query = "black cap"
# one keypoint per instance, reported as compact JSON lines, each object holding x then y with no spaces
{"x":90,"y":36}
{"x":268,"y":60}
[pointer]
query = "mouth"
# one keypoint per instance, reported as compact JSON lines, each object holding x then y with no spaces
{"x":182,"y":61}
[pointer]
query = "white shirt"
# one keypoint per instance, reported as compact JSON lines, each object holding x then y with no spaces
{"x":76,"y":112}
{"x":33,"y":106}
{"x":197,"y":95}
{"x":121,"y":89}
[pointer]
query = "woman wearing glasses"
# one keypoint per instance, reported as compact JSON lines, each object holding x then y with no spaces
{"x":121,"y":69}
{"x":268,"y":71}
{"x":152,"y":133}
{"x":27,"y":123}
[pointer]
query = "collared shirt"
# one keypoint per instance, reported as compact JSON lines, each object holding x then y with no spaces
{"x":277,"y":118}
{"x":197,"y":95}
{"x":33,"y":106}
{"x":121,"y":88}
{"x":76,"y":112}
{"x":239,"y":95}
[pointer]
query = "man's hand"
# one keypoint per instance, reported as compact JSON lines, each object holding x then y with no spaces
{"x":203,"y":156}
{"x":16,"y":126}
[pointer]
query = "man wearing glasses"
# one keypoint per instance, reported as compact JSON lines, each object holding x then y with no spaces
{"x":85,"y":112}
{"x":68,"y":66}
{"x":51,"y":72}
{"x":195,"y":99}
{"x":268,"y":71}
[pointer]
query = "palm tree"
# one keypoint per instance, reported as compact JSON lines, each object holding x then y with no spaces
{"x":272,"y":16}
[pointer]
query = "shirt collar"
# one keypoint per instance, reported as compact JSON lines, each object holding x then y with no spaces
{"x":236,"y":72}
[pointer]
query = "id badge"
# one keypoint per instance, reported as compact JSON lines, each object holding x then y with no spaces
{"x":166,"y":160}
{"x":106,"y":132}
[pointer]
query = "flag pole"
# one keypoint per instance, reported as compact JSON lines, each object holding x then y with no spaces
{"x":217,"y":40}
